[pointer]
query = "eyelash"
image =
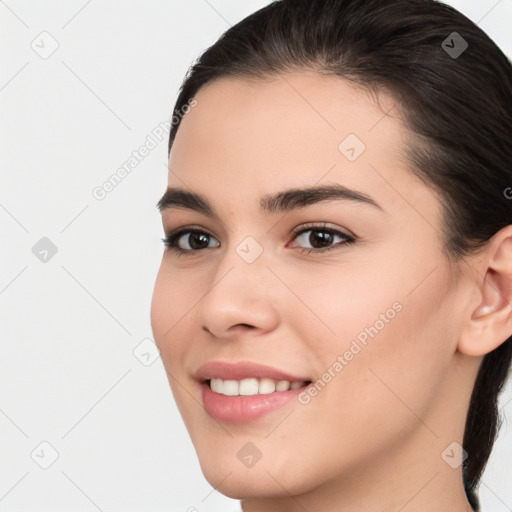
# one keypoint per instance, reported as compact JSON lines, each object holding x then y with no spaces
{"x":171,"y":240}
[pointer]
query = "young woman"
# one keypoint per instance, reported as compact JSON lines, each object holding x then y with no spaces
{"x":334,"y":304}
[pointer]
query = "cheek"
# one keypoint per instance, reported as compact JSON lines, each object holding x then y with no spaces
{"x":380,"y":339}
{"x":338,"y":303}
{"x":171,"y":310}
{"x":171,"y":322}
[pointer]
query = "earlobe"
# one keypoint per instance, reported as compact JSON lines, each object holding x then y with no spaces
{"x":484,"y":310}
{"x":492,"y":299}
{"x":490,"y":323}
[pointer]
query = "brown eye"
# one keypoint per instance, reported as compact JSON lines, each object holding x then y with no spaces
{"x":321,"y":238}
{"x":196,"y":239}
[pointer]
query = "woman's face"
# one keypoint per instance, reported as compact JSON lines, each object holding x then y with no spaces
{"x":372,"y":323}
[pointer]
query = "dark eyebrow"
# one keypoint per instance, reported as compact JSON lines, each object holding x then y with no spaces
{"x":280,"y":202}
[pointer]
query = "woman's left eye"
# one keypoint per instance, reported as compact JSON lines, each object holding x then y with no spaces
{"x":320,"y":237}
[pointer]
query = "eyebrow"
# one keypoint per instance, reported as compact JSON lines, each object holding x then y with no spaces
{"x":280,"y":202}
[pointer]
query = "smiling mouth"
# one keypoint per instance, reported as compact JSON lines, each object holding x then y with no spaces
{"x":252,"y":386}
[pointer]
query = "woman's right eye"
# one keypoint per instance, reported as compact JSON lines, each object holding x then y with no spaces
{"x":194,"y":238}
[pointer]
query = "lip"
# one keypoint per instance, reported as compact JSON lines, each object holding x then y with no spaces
{"x":244,"y":408}
{"x":242,"y":370}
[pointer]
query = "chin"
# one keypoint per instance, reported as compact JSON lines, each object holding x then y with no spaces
{"x":242,"y":484}
{"x":232,"y":478}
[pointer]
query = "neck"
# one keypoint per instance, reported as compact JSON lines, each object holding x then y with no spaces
{"x":419,"y":485}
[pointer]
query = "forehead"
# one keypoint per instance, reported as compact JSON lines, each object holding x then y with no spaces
{"x":305,"y":104}
{"x":293,"y":129}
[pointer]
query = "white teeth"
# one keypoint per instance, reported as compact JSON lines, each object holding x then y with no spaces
{"x":266,"y":386}
{"x":230,"y":387}
{"x":248,"y":387}
{"x":251,"y":386}
{"x":216,"y":385}
{"x":283,"y":385}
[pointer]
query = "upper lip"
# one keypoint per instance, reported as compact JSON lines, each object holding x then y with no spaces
{"x":242,"y":370}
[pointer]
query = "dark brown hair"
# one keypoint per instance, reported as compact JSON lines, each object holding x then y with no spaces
{"x":457,"y":105}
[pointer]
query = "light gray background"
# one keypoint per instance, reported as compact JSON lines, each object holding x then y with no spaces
{"x":70,"y":328}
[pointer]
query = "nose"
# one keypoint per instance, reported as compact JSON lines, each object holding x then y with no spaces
{"x":241,"y":297}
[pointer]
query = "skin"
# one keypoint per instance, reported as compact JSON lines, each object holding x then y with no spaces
{"x":372,"y":439}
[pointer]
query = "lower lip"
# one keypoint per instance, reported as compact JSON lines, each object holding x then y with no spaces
{"x":244,"y":409}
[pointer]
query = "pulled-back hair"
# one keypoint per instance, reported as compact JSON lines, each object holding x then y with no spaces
{"x":458,"y":106}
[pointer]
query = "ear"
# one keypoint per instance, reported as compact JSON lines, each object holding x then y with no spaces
{"x":490,"y":323}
